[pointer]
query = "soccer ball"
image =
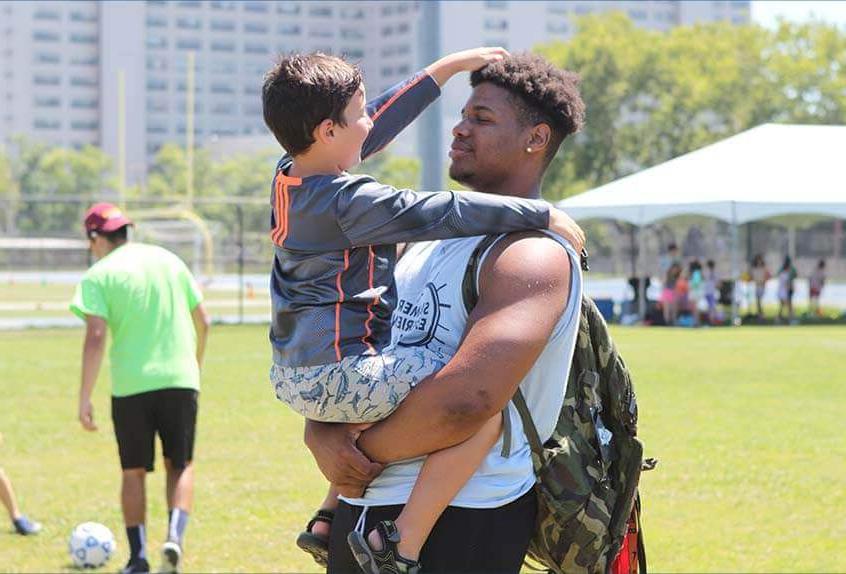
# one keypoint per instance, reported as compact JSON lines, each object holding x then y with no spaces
{"x":91,"y":545}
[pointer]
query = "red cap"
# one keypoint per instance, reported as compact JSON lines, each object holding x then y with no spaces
{"x":105,"y":218}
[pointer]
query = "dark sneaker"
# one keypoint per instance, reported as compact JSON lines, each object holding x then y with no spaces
{"x":384,"y":561}
{"x":136,"y":566}
{"x":171,"y":555}
{"x":26,"y":527}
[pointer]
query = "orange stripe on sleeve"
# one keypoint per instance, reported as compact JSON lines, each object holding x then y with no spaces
{"x":368,"y":332}
{"x":277,"y":203}
{"x":338,"y":304}
{"x":396,"y":96}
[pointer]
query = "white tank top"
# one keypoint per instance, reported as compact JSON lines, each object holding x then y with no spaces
{"x":430,"y":312}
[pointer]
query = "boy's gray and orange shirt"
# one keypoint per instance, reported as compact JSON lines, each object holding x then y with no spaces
{"x":332,"y":284}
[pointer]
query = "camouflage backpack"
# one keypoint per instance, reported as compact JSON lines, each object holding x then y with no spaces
{"x":588,"y":471}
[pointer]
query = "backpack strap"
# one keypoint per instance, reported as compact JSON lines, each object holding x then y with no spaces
{"x":470,"y":296}
{"x":528,"y":425}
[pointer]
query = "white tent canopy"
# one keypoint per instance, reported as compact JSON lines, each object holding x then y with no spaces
{"x":767,"y":171}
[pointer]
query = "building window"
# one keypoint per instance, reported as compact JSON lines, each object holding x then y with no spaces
{"x":387,"y":71}
{"x":255,"y":27}
{"x":84,"y":125}
{"x":557,"y":27}
{"x":189,"y":44}
{"x":352,"y":13}
{"x":220,"y":88}
{"x":223,"y":108}
{"x":189,"y":23}
{"x":45,"y":124}
{"x":288,"y":8}
{"x":43,"y":80}
{"x":47,"y":58}
{"x":157,"y":105}
{"x":637,"y":15}
{"x":190,"y":4}
{"x":156,"y":84}
{"x":156,"y":128}
{"x":224,"y":67}
{"x":83,"y":17}
{"x":289,"y":29}
{"x":499,"y":5}
{"x":45,"y":36}
{"x":154,"y":21}
{"x":558,"y":7}
{"x":84,"y":103}
{"x":156,"y":63}
{"x":353,"y":53}
{"x":222,"y":25}
{"x":387,"y":10}
{"x":321,"y":32}
{"x":403,"y":28}
{"x":257,"y":7}
{"x":83,"y":38}
{"x":156,"y":41}
{"x":320,"y":11}
{"x":47,"y":102}
{"x":84,"y":60}
{"x":222,"y":46}
{"x":496,"y":24}
{"x":47,"y":15}
{"x":84,"y":82}
{"x":252,"y":48}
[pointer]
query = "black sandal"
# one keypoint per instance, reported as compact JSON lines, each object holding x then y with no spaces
{"x":384,"y":561}
{"x":317,"y":546}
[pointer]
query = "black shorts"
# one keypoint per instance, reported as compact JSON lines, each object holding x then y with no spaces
{"x":464,"y":540}
{"x":172,"y":413}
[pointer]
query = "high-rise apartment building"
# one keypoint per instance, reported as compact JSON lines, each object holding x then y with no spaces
{"x":61,"y":63}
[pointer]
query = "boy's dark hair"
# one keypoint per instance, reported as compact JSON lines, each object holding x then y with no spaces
{"x":711,"y":264}
{"x":542,"y":92}
{"x":301,"y":91}
{"x":119,"y":235}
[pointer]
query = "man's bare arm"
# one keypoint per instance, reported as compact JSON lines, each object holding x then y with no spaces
{"x":524,"y":286}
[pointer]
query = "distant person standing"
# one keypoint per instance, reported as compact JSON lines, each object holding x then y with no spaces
{"x":711,"y":293}
{"x":786,"y":279}
{"x":148,"y":299}
{"x":760,"y":275}
{"x":668,"y":263}
{"x":23,"y":525}
{"x":816,"y":284}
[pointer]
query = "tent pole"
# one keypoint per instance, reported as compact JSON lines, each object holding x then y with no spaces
{"x":641,"y":271}
{"x":735,"y":268}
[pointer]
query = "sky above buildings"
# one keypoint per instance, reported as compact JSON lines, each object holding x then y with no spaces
{"x":767,"y":12}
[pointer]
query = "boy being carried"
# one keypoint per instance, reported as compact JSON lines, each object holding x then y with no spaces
{"x":332,"y":284}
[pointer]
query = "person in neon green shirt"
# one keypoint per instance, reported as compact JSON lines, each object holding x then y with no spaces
{"x":149,"y":301}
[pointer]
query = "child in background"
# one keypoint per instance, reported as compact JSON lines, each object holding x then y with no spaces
{"x":332,"y":283}
{"x":711,"y":290}
{"x":696,"y":289}
{"x":815,"y":286}
{"x":786,"y":278}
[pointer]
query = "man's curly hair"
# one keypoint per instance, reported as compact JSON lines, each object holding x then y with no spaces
{"x":542,"y":92}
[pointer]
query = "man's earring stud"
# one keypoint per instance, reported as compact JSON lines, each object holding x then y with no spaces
{"x":528,"y":150}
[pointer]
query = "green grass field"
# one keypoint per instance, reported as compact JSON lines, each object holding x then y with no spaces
{"x":748,"y":424}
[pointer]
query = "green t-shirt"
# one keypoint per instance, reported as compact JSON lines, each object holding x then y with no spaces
{"x":146,"y":295}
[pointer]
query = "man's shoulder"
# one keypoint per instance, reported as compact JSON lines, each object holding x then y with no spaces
{"x":531,"y":254}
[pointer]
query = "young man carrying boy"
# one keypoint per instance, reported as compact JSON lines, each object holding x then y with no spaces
{"x":521,"y":331}
{"x":332,"y":285}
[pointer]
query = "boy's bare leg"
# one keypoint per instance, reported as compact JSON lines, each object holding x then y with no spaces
{"x":443,"y":474}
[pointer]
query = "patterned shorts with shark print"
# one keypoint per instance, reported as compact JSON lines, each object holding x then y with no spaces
{"x":357,"y":389}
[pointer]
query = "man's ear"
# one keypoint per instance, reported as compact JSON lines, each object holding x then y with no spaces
{"x":325,"y":131}
{"x":539,"y":138}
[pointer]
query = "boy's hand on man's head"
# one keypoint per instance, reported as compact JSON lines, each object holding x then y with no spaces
{"x":472,"y":60}
{"x":464,"y":61}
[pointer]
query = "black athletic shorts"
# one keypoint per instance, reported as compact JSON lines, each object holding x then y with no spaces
{"x":172,"y":413}
{"x":464,"y":540}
